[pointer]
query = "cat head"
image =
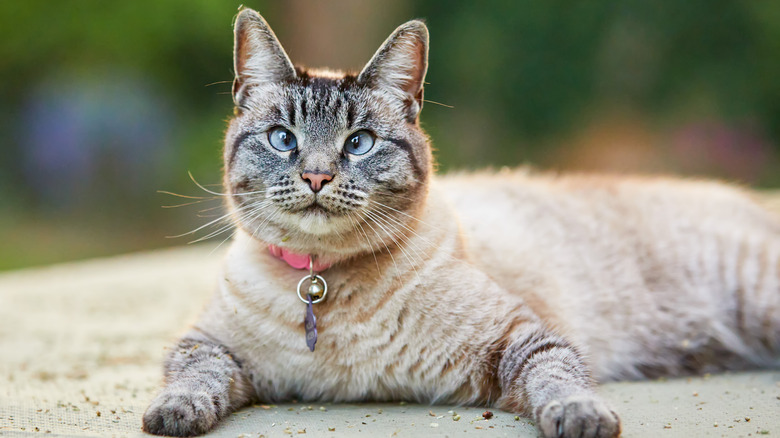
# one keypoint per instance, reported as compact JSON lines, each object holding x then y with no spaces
{"x":325,"y":162}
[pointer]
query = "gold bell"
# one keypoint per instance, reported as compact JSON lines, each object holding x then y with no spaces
{"x":315,"y":289}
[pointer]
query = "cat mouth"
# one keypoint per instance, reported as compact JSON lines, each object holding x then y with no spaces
{"x":315,"y":208}
{"x":318,"y":219}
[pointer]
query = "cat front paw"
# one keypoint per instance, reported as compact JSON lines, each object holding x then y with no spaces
{"x":584,"y":416}
{"x":181,"y":414}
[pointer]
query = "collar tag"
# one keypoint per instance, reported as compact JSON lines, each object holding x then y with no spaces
{"x":315,"y":293}
{"x":310,"y":323}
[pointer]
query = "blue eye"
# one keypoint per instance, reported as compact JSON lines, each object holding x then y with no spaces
{"x":359,"y":143}
{"x":282,"y":139}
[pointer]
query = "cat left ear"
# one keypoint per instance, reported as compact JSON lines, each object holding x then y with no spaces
{"x":258,"y":56}
{"x":399,"y":66}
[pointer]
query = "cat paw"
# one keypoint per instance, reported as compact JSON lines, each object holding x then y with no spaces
{"x":180,"y":414}
{"x":579,"y":416}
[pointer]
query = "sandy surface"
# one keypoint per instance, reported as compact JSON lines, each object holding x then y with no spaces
{"x":81,"y":346}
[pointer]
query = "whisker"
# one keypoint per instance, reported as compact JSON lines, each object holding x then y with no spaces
{"x":209,"y":198}
{"x":265,"y":223}
{"x":397,"y":271}
{"x":407,"y":215}
{"x":188,"y":203}
{"x":210,"y":209}
{"x":218,"y":207}
{"x":216,"y":233}
{"x":397,"y":227}
{"x":165,"y":192}
{"x":401,"y":224}
{"x":376,"y":219}
{"x":218,"y":82}
{"x":223,"y":217}
{"x":341,"y":237}
{"x":253,"y":208}
{"x":394,"y":195}
{"x":204,"y":188}
{"x":394,"y":226}
{"x":411,"y":230}
{"x":225,"y":240}
{"x":368,"y":241}
{"x":438,"y":103}
{"x":256,"y":192}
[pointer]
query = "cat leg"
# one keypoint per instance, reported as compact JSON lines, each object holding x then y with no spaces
{"x":203,"y":384}
{"x":758,"y":300}
{"x":543,"y":375}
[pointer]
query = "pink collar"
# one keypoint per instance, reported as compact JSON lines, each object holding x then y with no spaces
{"x":296,"y":261}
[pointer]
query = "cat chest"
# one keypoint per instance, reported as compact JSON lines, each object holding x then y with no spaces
{"x":343,"y":366}
{"x":379,"y":344}
{"x":354,"y":358}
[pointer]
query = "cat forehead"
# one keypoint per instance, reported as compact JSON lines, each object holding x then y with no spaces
{"x":324,"y":96}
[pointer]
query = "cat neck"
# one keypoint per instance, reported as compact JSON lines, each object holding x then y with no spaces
{"x":297,"y":260}
{"x":421,"y":228}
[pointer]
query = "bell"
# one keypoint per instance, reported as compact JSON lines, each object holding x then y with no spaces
{"x":315,"y":290}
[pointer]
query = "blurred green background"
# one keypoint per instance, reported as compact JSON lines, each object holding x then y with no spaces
{"x":105,"y":103}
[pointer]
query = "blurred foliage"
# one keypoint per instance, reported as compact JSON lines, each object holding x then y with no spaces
{"x":535,"y":73}
{"x":106,"y":102}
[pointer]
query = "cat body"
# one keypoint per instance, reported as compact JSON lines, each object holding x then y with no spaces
{"x":507,"y":289}
{"x":605,"y":261}
{"x":650,"y":277}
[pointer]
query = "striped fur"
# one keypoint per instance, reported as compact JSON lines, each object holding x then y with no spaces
{"x":508,"y":289}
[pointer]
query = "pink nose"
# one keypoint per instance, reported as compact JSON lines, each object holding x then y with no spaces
{"x":316,"y":179}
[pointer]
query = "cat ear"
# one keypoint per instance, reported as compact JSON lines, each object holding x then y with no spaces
{"x":258,"y":57}
{"x":399,"y":66}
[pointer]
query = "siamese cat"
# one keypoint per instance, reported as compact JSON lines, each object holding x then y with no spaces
{"x":358,"y":275}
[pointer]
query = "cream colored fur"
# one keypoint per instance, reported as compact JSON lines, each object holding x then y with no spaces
{"x":510,"y":289}
{"x":637,"y":272}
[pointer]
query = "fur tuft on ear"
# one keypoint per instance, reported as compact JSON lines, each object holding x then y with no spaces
{"x":258,"y":57}
{"x":399,"y":66}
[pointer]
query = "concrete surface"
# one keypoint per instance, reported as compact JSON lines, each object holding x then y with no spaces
{"x":81,"y":346}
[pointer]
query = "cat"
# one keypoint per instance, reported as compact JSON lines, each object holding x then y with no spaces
{"x":511,"y":289}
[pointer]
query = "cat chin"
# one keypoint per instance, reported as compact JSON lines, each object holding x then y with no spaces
{"x":320,"y":223}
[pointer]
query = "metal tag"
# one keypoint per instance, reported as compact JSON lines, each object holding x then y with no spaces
{"x":310,"y":323}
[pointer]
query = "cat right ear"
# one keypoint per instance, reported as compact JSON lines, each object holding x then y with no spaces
{"x":258,"y":57}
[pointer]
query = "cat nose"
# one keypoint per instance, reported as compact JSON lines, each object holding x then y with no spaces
{"x":316,"y":179}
